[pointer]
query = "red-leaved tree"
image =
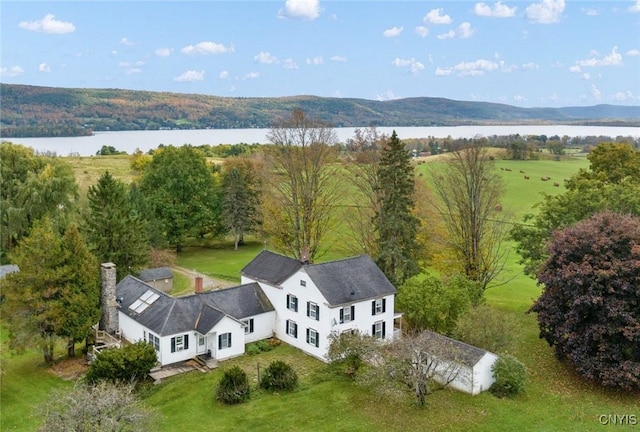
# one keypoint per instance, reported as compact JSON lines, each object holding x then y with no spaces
{"x":590,"y":307}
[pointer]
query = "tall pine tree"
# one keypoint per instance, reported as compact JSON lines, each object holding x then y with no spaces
{"x":115,"y":231}
{"x":395,"y":223}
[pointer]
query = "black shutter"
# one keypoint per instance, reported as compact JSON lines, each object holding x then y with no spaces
{"x":317,"y":313}
{"x":317,"y":339}
{"x":295,"y":304}
{"x":251,"y":325}
{"x":186,"y":341}
{"x":384,"y":325}
{"x":288,"y":300}
{"x":341,"y":315}
{"x":307,"y":335}
{"x":219,"y":341}
{"x":173,"y":344}
{"x":353,"y":313}
{"x":373,"y":307}
{"x":384,"y":305}
{"x":373,"y":330}
{"x":308,"y":307}
{"x":229,"y":340}
{"x":295,"y":330}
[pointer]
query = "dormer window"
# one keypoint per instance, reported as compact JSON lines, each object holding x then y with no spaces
{"x":303,"y":283}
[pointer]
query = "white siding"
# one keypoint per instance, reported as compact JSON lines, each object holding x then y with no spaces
{"x":482,"y":374}
{"x":227,"y":325}
{"x":262,"y":327}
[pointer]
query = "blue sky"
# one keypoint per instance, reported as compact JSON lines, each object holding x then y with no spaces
{"x":524,"y":53}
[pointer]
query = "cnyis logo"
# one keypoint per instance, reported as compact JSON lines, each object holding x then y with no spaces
{"x":618,"y":419}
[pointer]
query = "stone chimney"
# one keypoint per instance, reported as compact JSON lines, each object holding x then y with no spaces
{"x":199,"y":289}
{"x":109,"y":320}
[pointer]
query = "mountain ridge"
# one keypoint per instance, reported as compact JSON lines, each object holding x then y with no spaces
{"x":57,"y":111}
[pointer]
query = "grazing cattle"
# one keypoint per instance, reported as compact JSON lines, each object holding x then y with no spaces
{"x":545,"y":178}
{"x":521,"y":172}
{"x":556,"y":184}
{"x":526,"y":177}
{"x":507,"y":169}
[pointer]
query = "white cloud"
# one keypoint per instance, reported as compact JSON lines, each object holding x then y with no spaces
{"x":190,"y":76}
{"x":448,"y":35}
{"x":614,"y":58}
{"x":266,"y":58}
{"x":207,"y":48}
{"x":12,"y":72}
{"x":252,"y":75}
{"x":289,"y":64}
{"x":422,"y":31}
{"x":595,"y":92}
{"x":530,"y":65}
{"x":125,"y":41}
{"x":633,"y":53}
{"x":315,"y":61}
{"x":133,"y":71}
{"x":392,"y":32}
{"x":575,"y":69}
{"x":43,"y":67}
{"x":387,"y":95}
{"x":464,"y":31}
{"x":414,"y":66}
{"x":339,"y":59}
{"x":499,"y":10}
{"x":591,"y":12}
{"x":48,"y":24}
{"x":545,"y":11}
{"x":301,"y":9}
{"x":163,"y":52}
{"x":586,"y":76}
{"x":476,"y":68}
{"x":223,"y":74}
{"x":434,"y":17}
{"x":635,"y":7}
{"x":519,"y":98}
{"x":624,"y":96}
{"x":507,"y":68}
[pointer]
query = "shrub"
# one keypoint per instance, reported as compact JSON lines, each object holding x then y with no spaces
{"x":510,"y":375}
{"x":264,"y":345}
{"x":126,"y":364}
{"x":279,"y":376}
{"x":233,"y":388}
{"x":253,"y":349}
{"x":487,"y":328}
{"x":348,"y":351}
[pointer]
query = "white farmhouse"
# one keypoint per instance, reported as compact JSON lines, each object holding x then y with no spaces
{"x":299,"y":303}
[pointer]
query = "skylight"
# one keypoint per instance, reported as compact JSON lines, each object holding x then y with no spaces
{"x":144,"y":301}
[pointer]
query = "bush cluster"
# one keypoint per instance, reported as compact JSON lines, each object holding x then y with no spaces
{"x":258,"y":347}
{"x":279,"y":376}
{"x":510,"y":375}
{"x":126,"y":364}
{"x":234,"y":387}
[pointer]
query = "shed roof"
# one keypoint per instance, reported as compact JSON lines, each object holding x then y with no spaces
{"x":154,"y":274}
{"x":452,"y":350}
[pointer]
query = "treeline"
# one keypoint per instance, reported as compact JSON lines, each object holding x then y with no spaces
{"x":45,"y":111}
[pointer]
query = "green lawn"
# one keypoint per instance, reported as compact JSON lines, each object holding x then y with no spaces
{"x":556,"y":399}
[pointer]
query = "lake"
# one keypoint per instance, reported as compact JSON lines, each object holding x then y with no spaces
{"x":129,"y":141}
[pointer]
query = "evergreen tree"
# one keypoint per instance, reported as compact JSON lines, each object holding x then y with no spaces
{"x":241,"y":198}
{"x":115,"y":231}
{"x":395,"y":223}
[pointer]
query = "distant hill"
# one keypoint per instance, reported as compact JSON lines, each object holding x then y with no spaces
{"x":29,"y":111}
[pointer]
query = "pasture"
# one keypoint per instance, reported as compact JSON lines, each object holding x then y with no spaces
{"x":555,"y":400}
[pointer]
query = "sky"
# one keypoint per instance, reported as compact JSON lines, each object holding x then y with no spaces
{"x":526,"y":53}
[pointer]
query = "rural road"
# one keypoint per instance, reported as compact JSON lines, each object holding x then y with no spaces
{"x":208,"y":283}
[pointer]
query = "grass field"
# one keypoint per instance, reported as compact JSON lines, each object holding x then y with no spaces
{"x":555,"y":400}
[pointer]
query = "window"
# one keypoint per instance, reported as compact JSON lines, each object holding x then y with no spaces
{"x":347,"y":314}
{"x":179,"y":343}
{"x":292,"y":302}
{"x":378,"y":330}
{"x":378,"y":306}
{"x":154,"y":341}
{"x":303,"y":283}
{"x":224,"y":341}
{"x":312,"y":337}
{"x":200,"y":340}
{"x":249,"y":326}
{"x":292,"y":328}
{"x":313,"y":311}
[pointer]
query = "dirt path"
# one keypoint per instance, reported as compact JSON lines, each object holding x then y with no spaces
{"x":208,"y":283}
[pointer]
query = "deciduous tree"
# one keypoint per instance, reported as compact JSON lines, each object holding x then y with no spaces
{"x":589,"y":310}
{"x":302,"y":186}
{"x":396,"y":225}
{"x":469,"y":193}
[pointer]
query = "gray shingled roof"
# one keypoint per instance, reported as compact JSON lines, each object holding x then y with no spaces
{"x":350,"y":280}
{"x":170,"y":315}
{"x":154,"y":274}
{"x":271,"y":267}
{"x":452,"y":350}
{"x":8,"y":268}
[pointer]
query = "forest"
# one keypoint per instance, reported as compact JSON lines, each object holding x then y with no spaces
{"x":32,"y":111}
